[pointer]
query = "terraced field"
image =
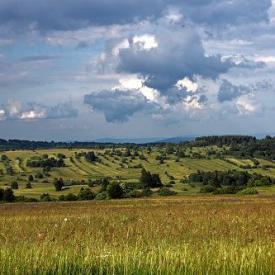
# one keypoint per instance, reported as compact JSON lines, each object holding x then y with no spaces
{"x":117,"y":168}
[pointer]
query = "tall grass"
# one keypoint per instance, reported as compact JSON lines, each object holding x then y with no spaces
{"x":162,"y":236}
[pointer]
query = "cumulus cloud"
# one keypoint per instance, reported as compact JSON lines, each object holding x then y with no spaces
{"x":179,"y":53}
{"x":14,"y":110}
{"x":162,"y":63}
{"x":117,"y":105}
{"x":167,"y":59}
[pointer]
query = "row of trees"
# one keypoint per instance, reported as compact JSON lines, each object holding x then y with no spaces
{"x":46,"y":162}
{"x":229,"y":181}
{"x":115,"y":190}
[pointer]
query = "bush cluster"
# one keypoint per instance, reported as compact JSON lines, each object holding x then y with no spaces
{"x":228,"y":182}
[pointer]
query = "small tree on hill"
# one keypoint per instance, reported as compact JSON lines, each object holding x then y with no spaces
{"x":90,"y":156}
{"x":148,"y":180}
{"x":58,"y":184}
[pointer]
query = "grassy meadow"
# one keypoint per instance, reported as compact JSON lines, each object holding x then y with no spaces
{"x":177,"y":235}
{"x":118,"y":168}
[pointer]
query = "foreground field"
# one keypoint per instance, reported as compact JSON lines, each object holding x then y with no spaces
{"x":181,"y":235}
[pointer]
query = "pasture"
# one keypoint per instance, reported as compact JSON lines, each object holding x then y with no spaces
{"x":119,"y":168}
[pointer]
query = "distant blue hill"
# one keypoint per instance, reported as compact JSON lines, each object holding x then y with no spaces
{"x":177,"y":140}
{"x":174,"y":140}
{"x":127,"y":140}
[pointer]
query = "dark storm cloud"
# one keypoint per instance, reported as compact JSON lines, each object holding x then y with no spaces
{"x":117,"y":106}
{"x":179,"y":54}
{"x":226,"y":12}
{"x":229,"y":92}
{"x":72,"y":14}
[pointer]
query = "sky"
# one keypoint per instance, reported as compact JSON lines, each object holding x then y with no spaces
{"x":90,"y":69}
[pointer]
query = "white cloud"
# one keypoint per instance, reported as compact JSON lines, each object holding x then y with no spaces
{"x":187,"y":84}
{"x":2,"y":114}
{"x":192,"y":102}
{"x":14,"y":110}
{"x":247,"y":105}
{"x":33,"y":114}
{"x":137,"y":84}
{"x":145,"y":42}
{"x":130,"y":82}
{"x":265,"y":59}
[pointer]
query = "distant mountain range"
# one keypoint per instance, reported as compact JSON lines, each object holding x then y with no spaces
{"x":145,"y":140}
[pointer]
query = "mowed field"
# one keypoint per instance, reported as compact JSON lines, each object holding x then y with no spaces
{"x":117,"y":168}
{"x":179,"y":235}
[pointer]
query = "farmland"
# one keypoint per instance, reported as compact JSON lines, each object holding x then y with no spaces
{"x":77,"y":171}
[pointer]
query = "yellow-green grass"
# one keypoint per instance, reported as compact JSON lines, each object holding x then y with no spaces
{"x":266,"y":162}
{"x":241,"y":162}
{"x":43,"y":188}
{"x":182,"y":235}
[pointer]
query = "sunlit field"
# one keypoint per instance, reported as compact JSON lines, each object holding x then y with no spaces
{"x":118,"y":168}
{"x":179,"y":235}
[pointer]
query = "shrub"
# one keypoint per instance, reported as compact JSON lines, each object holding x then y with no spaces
{"x":226,"y":190}
{"x":24,"y":199}
{"x":114,"y":191}
{"x":30,"y":178}
{"x":249,"y":191}
{"x":69,"y":197}
{"x":8,"y":195}
{"x":147,"y":192}
{"x":134,"y":194}
{"x":86,"y":194}
{"x":61,"y":156}
{"x":101,"y":196}
{"x":28,"y":185}
{"x":104,"y":183}
{"x":207,"y":189}
{"x":4,"y":158}
{"x":14,"y":185}
{"x":166,"y":192}
{"x":45,"y":197}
